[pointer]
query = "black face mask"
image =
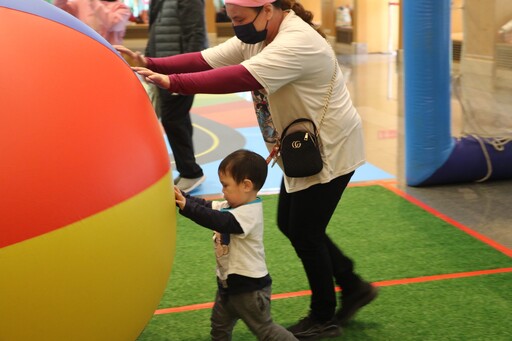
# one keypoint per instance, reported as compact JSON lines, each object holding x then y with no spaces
{"x":248,"y":34}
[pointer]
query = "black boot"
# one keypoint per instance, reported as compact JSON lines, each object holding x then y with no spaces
{"x":352,"y":301}
{"x":308,"y":328}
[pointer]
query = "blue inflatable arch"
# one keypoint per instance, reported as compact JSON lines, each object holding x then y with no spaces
{"x":432,"y":155}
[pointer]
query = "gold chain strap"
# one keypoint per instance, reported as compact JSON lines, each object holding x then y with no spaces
{"x":329,"y":94}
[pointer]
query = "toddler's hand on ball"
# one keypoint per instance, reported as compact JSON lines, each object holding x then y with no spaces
{"x":181,"y":201}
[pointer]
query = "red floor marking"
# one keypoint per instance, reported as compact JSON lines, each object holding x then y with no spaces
{"x":372,"y":183}
{"x":503,"y":249}
{"x":182,"y":309}
{"x":239,"y":114}
{"x":387,"y":283}
{"x":441,"y":277}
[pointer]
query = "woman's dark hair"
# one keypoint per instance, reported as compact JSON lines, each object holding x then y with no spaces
{"x":245,"y":164}
{"x":304,"y":14}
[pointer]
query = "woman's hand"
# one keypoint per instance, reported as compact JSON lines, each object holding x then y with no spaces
{"x":162,"y":81}
{"x":133,"y":58}
{"x":181,"y":201}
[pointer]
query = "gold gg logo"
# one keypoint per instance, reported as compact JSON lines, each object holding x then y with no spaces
{"x":296,"y":144}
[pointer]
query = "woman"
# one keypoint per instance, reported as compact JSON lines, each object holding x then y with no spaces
{"x":288,"y":65}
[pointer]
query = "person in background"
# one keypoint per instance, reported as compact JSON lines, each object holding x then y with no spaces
{"x":221,"y":15}
{"x":244,"y":284}
{"x":176,"y":27}
{"x":286,"y":62}
{"x":107,"y":17}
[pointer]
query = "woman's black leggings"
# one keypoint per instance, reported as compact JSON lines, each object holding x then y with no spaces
{"x":303,"y":217}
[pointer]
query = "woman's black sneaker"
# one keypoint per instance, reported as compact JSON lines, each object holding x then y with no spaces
{"x":355,"y":300}
{"x":310,"y":329}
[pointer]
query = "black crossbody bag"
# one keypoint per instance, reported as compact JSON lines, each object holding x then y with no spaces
{"x":299,"y":148}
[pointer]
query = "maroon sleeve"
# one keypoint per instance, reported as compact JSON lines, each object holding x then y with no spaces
{"x":223,"y":80}
{"x":181,"y":63}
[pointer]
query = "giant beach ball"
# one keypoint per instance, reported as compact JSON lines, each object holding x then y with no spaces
{"x":87,"y":220}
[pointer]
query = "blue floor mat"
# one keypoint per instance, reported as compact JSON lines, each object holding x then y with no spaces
{"x":254,"y":142}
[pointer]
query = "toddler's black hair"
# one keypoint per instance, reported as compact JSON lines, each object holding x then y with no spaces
{"x":245,"y":164}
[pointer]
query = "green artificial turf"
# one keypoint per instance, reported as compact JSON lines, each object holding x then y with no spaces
{"x":388,"y":238}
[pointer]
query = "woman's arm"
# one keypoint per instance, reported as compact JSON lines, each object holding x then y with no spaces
{"x":223,"y":80}
{"x":181,"y":63}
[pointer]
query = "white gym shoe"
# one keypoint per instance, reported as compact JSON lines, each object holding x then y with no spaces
{"x":187,"y":185}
